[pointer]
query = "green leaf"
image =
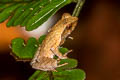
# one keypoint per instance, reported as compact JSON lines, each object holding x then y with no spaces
{"x":46,"y":13}
{"x":7,"y":12}
{"x":63,"y":50}
{"x":23,"y":51}
{"x":27,"y":9}
{"x":17,"y":13}
{"x":9,"y":1}
{"x":36,"y":9}
{"x":41,"y":39}
{"x":3,"y":6}
{"x":39,"y":75}
{"x":74,"y":74}
{"x":72,"y":63}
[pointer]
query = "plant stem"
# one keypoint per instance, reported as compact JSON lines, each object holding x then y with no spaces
{"x":50,"y":75}
{"x":78,"y":8}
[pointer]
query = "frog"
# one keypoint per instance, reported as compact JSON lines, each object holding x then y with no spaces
{"x":44,"y":56}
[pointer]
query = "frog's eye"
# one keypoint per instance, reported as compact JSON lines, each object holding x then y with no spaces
{"x":66,"y":15}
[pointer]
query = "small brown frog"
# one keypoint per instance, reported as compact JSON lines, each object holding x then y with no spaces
{"x":43,"y":59}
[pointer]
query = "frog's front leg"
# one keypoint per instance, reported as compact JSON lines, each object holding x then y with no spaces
{"x":57,"y":53}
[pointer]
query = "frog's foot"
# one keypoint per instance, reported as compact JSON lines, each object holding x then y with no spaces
{"x":62,"y":64}
{"x":65,"y":55}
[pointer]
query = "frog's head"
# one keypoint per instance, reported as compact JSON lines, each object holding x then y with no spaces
{"x":68,"y":19}
{"x":70,"y":22}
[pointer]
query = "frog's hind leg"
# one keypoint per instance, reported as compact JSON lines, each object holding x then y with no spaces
{"x":36,"y":55}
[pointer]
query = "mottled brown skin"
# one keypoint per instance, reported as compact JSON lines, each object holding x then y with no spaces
{"x":43,"y":59}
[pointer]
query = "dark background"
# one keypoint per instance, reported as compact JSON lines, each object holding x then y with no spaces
{"x":96,"y":44}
